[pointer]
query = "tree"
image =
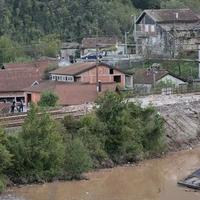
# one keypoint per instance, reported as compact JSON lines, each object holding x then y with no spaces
{"x":77,"y":159}
{"x":38,"y":149}
{"x":5,"y":158}
{"x":48,"y":99}
{"x":9,"y":50}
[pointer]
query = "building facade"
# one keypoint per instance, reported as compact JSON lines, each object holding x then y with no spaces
{"x":89,"y":72}
{"x":167,"y":32}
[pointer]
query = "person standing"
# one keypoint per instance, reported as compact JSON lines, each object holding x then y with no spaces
{"x":21,"y":106}
{"x":13,"y":107}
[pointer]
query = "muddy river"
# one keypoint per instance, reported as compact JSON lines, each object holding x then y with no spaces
{"x":150,"y":180}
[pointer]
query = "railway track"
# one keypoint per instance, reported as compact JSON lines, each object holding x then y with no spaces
{"x":17,"y":120}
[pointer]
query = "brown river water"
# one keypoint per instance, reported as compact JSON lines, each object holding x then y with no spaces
{"x":150,"y":180}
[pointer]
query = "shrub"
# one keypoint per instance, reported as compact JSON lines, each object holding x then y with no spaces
{"x":77,"y":159}
{"x":93,"y":135}
{"x":132,"y":131}
{"x":48,"y":99}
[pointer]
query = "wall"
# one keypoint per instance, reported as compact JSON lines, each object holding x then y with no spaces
{"x":35,"y":97}
{"x":143,"y":88}
{"x":103,"y":75}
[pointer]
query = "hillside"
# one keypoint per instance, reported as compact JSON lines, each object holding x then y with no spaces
{"x":28,"y":20}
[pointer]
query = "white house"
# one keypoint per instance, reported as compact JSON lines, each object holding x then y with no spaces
{"x":145,"y":79}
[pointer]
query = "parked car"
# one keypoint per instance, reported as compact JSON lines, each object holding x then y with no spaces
{"x":92,"y":56}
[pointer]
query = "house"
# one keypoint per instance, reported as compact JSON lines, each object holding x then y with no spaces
{"x":90,"y":72}
{"x":68,"y":51}
{"x":14,"y":77}
{"x":145,"y":79}
{"x":108,"y":45}
{"x":68,"y":93}
{"x":167,"y":32}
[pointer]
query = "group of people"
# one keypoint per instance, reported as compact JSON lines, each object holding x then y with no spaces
{"x":19,"y":106}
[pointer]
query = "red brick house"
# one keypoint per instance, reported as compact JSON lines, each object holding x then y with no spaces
{"x":89,"y":72}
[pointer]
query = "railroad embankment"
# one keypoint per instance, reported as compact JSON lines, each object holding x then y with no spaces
{"x":182,"y":118}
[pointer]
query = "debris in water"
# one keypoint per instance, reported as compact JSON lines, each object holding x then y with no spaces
{"x":192,"y":181}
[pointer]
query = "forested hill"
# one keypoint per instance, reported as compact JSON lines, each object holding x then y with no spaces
{"x":27,"y":20}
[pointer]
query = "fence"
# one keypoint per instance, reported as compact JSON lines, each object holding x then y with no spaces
{"x":182,"y":89}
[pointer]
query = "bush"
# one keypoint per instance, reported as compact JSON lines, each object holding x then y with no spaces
{"x":93,"y":135}
{"x":77,"y":159}
{"x":132,"y":131}
{"x":48,"y":99}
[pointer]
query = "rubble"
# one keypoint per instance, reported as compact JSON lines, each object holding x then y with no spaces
{"x":181,"y":114}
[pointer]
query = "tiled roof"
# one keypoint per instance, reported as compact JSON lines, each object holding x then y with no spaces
{"x":181,"y":26}
{"x":98,"y":42}
{"x":16,"y":80}
{"x":78,"y":68}
{"x":16,"y":76}
{"x":74,"y":69}
{"x":71,"y":93}
{"x":40,"y":65}
{"x":143,"y":76}
{"x":169,"y":15}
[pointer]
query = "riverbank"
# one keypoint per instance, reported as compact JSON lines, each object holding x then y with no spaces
{"x":154,"y":179}
{"x":135,"y":133}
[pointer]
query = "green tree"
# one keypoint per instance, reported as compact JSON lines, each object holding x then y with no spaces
{"x":5,"y":158}
{"x":38,"y":149}
{"x":48,"y":99}
{"x":93,"y":134}
{"x":9,"y":50}
{"x":77,"y":159}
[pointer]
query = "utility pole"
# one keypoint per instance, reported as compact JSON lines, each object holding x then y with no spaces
{"x":135,"y":35}
{"x":126,"y":42}
{"x":97,"y":56}
{"x":199,"y":58}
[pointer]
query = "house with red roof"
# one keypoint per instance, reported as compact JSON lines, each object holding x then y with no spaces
{"x":90,"y":72}
{"x":14,"y":77}
{"x":80,"y":83}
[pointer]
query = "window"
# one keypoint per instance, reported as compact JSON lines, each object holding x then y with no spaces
{"x":146,"y":28}
{"x":53,"y":77}
{"x":59,"y":78}
{"x":111,"y":71}
{"x":153,"y":28}
{"x":117,"y":79}
{"x":70,"y":79}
